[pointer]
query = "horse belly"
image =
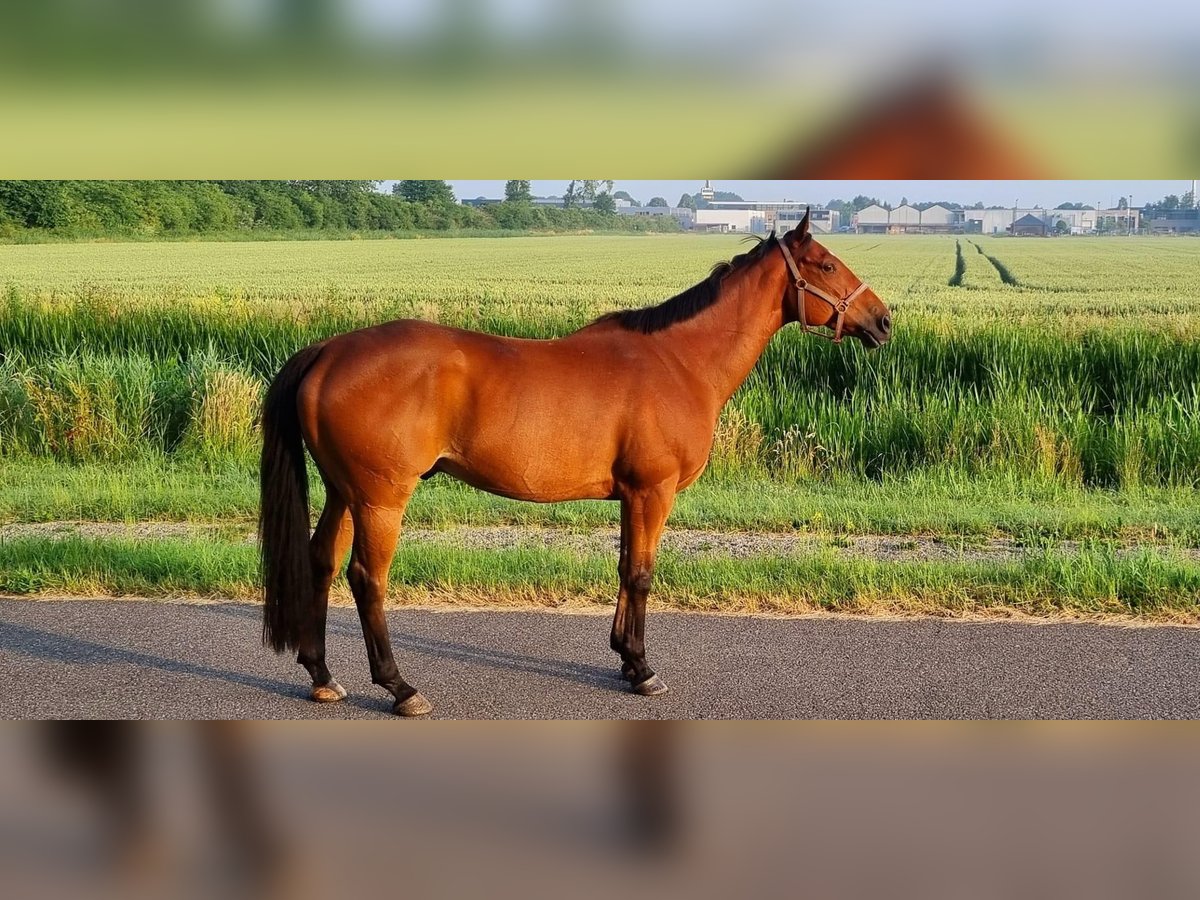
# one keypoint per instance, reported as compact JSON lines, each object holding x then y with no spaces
{"x":544,"y":459}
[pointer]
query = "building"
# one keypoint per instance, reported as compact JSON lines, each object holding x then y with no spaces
{"x":784,"y":215}
{"x":743,"y":221}
{"x":904,"y":218}
{"x":536,"y":201}
{"x":1175,"y":221}
{"x":998,"y":220}
{"x":1123,"y":220}
{"x":908,"y":219}
{"x":820,"y":221}
{"x":1073,"y":221}
{"x":685,"y":216}
{"x":938,"y":218}
{"x":871,"y":219}
{"x":1028,"y":226}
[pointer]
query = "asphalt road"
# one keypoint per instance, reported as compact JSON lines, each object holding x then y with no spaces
{"x":117,"y":659}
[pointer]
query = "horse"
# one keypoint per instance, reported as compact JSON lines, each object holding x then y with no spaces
{"x":624,"y":409}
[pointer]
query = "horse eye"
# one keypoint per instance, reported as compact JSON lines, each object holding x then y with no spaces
{"x":828,"y":267}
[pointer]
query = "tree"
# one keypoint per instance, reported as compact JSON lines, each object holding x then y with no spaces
{"x":624,"y":195}
{"x":341,"y":190}
{"x":430,"y":193}
{"x":718,"y":197}
{"x":862,"y":202}
{"x":1189,"y":200}
{"x":1123,"y":203}
{"x":583,"y":193}
{"x":34,"y":204}
{"x":657,"y":201}
{"x":604,"y":202}
{"x":687,"y":201}
{"x":589,"y":189}
{"x":1061,"y":227}
{"x":517,"y":192}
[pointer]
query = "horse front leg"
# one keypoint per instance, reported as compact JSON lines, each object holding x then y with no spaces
{"x":643,"y":515}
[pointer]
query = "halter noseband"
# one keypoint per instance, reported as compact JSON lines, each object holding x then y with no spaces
{"x":839,"y":305}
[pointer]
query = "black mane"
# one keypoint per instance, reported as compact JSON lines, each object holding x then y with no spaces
{"x":690,"y":303}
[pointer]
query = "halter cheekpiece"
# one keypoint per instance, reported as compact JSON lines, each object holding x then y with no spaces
{"x":840,"y":305}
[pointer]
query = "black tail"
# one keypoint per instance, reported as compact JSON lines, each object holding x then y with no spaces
{"x":288,"y":589}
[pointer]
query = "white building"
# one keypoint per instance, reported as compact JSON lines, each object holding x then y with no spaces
{"x":745,"y":221}
{"x":821,"y":221}
{"x":784,"y":215}
{"x":871,"y":219}
{"x":996,"y":221}
{"x":938,"y":216}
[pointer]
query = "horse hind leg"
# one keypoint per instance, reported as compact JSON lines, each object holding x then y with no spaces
{"x":327,"y":549}
{"x":376,"y":531}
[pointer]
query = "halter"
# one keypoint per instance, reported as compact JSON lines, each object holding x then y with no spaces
{"x":839,"y":306}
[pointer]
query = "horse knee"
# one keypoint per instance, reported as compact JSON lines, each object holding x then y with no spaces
{"x":359,"y":578}
{"x":640,"y":580}
{"x":367,"y":586}
{"x":323,"y":570}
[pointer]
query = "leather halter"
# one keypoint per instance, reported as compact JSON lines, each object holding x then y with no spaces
{"x":839,"y":305}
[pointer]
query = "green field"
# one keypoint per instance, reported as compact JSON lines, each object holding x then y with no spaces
{"x":1039,"y":390}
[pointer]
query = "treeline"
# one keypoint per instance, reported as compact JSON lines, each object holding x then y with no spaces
{"x":179,"y":208}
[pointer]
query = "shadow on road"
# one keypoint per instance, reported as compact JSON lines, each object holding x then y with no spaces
{"x":581,"y":673}
{"x":53,"y":647}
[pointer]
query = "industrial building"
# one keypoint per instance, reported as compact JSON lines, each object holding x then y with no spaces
{"x":936,"y":219}
{"x":744,"y":221}
{"x":781,"y":215}
{"x":762,"y":216}
{"x":1175,"y":221}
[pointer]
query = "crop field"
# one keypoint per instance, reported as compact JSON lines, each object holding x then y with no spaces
{"x":1032,"y":432}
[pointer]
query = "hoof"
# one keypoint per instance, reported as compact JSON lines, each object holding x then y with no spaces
{"x":416,"y":705}
{"x":651,"y":687}
{"x":328,"y":693}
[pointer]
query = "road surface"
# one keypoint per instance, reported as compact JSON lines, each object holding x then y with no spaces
{"x":139,"y":659}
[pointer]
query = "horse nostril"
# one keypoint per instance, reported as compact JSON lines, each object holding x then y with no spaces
{"x":886,"y":324}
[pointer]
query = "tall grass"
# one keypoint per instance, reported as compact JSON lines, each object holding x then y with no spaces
{"x":971,"y":384}
{"x":1109,"y":408}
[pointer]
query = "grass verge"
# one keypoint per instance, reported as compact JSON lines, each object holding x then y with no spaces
{"x":1094,"y":582}
{"x":37,"y":490}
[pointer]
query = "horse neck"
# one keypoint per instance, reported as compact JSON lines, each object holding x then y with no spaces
{"x":728,"y":338}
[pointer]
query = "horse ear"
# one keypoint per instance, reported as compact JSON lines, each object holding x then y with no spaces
{"x":803,"y":226}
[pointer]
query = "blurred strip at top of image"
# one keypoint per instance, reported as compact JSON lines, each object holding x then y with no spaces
{"x":488,"y":88}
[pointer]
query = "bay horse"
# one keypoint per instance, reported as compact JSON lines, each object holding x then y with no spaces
{"x":623,"y":409}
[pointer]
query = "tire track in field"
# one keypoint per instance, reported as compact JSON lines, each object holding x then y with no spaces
{"x":960,"y":266}
{"x":1005,"y":275}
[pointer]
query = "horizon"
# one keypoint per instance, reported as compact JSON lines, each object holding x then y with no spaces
{"x":1026,"y":194}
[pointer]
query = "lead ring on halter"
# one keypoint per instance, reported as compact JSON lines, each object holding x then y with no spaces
{"x":839,"y":305}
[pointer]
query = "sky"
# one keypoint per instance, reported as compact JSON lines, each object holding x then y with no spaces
{"x":992,"y":193}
